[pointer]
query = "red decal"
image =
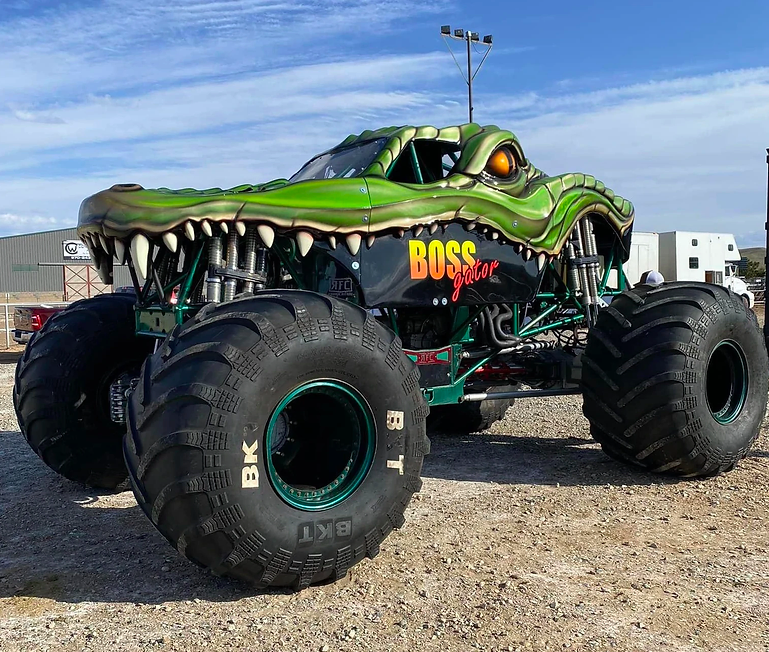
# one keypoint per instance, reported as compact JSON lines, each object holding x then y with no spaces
{"x":470,"y":275}
{"x":431,"y":357}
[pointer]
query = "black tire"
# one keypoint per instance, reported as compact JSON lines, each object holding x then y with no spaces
{"x":61,"y":391}
{"x":675,"y":379}
{"x":206,"y":398}
{"x":470,"y":417}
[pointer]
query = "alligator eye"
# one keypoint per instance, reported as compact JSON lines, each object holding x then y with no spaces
{"x":502,"y":163}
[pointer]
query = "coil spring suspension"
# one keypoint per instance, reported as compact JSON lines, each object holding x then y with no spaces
{"x":584,"y":267}
{"x":224,"y":268}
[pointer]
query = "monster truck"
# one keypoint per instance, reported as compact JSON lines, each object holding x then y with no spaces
{"x":276,"y":411}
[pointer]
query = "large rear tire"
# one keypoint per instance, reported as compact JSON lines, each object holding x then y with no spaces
{"x":61,"y":392}
{"x":675,"y":379}
{"x":277,"y":438}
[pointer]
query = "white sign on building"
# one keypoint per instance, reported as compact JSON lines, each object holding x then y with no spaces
{"x":75,"y":250}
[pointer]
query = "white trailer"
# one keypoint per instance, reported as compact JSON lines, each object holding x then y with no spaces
{"x":644,"y":256}
{"x":687,"y":256}
{"x":693,"y":256}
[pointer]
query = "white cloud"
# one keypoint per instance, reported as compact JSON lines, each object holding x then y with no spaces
{"x":234,"y":91}
{"x":15,"y":222}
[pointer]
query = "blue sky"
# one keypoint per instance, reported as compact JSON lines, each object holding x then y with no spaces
{"x":666,"y":102}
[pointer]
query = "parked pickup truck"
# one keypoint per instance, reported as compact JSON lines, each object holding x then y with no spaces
{"x":30,"y":319}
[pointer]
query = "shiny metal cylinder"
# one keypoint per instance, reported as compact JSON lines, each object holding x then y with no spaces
{"x":249,"y":262}
{"x":214,"y":282}
{"x":231,"y":284}
{"x":593,"y":269}
{"x":581,"y":268}
{"x":572,"y":277}
{"x":261,"y":268}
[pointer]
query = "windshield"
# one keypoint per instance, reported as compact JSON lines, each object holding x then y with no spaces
{"x":341,"y":163}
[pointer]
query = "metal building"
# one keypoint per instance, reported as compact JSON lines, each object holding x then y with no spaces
{"x":52,"y":262}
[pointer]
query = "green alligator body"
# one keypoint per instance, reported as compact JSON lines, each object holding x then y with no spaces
{"x":530,"y":210}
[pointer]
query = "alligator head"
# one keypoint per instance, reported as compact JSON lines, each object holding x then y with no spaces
{"x":414,"y":178}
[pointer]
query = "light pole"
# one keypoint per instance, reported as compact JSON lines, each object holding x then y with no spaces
{"x":470,"y":39}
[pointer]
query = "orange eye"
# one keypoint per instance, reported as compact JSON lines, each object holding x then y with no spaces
{"x":501,"y":164}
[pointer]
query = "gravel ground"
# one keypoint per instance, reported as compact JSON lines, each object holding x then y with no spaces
{"x":524,"y":538}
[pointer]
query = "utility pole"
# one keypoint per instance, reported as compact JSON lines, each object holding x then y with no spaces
{"x":766,"y":252}
{"x":470,"y":38}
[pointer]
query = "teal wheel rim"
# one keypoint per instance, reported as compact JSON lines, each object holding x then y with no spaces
{"x":319,"y":444}
{"x":726,"y":382}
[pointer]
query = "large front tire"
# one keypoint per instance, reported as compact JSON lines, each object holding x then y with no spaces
{"x":675,"y":379}
{"x":278,"y":438}
{"x":61,"y":393}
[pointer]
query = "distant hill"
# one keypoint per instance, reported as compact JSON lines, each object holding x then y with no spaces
{"x":756,"y":254}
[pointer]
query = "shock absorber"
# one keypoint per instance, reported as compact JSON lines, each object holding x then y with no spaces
{"x":582,"y":265}
{"x":572,"y":272}
{"x":591,"y":251}
{"x":214,"y":281}
{"x":249,"y":260}
{"x":231,"y":284}
{"x":261,"y":269}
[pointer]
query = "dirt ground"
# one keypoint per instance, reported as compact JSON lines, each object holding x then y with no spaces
{"x":523,"y":538}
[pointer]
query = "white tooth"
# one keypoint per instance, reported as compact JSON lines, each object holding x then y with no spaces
{"x":470,"y":226}
{"x":240,"y":228}
{"x":517,"y":248}
{"x":304,"y":241}
{"x":332,"y":242}
{"x":171,"y":241}
{"x":433,"y":228}
{"x":266,"y":234}
{"x":541,"y":260}
{"x":353,"y":243}
{"x":104,"y":244}
{"x":370,"y":241}
{"x":527,"y":254}
{"x":223,"y":226}
{"x":189,"y":231}
{"x":399,"y":233}
{"x":140,"y":251}
{"x":120,"y":251}
{"x":418,"y":231}
{"x":494,"y":235}
{"x":206,"y":228}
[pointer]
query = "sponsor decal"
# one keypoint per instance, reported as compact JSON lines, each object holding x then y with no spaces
{"x":341,"y":287}
{"x":453,"y":259}
{"x":433,"y":356}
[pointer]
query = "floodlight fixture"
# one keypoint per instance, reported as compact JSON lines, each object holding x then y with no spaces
{"x":469,"y":37}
